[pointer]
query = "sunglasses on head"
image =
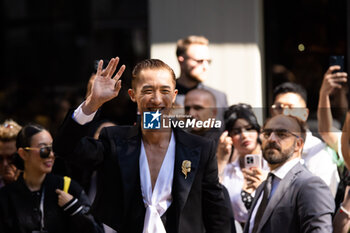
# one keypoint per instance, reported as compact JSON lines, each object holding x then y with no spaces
{"x":44,"y":152}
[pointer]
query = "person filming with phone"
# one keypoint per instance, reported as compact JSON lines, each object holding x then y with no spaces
{"x":238,"y":149}
{"x":333,"y":85}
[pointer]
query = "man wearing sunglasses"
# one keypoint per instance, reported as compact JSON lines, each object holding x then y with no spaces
{"x":291,"y":199}
{"x":290,"y":99}
{"x":194,"y":59}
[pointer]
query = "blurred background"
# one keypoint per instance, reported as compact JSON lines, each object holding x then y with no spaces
{"x":48,"y":48}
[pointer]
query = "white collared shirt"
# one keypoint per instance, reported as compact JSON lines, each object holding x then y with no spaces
{"x":80,"y":117}
{"x":158,"y":200}
{"x":319,"y":161}
{"x":279,"y":173}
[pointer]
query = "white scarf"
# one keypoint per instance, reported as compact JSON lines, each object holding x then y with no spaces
{"x":157,"y":203}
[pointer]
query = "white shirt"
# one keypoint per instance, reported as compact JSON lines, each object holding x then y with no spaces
{"x":232,"y":179}
{"x":158,"y":201}
{"x":319,"y":161}
{"x":80,"y":117}
{"x":279,"y":173}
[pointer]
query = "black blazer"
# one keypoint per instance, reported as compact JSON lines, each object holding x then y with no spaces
{"x":198,"y":201}
{"x":302,"y":202}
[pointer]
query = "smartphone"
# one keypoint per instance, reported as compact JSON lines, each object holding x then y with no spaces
{"x":337,"y":60}
{"x":252,"y":160}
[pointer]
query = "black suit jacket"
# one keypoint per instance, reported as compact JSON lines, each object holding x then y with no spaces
{"x":302,"y":202}
{"x":198,"y":201}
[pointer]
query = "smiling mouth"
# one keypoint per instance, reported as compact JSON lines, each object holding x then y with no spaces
{"x":48,"y":163}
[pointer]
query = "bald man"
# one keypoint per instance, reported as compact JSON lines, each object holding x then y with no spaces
{"x":200,"y":104}
{"x":291,"y":199}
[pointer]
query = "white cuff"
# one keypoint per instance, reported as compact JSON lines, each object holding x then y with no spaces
{"x":80,"y":117}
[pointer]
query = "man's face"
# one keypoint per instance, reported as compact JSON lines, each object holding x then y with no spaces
{"x":200,"y":106}
{"x":195,"y":63}
{"x":8,"y":171}
{"x":154,"y":90}
{"x":290,"y":104}
{"x":281,"y":140}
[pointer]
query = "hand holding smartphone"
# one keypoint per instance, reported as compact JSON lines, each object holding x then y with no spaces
{"x":252,"y":160}
{"x":337,"y":60}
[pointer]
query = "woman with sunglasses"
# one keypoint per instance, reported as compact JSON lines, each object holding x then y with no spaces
{"x":36,"y":202}
{"x":241,"y":137}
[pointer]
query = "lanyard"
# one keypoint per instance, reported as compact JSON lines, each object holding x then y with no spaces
{"x":42,"y":209}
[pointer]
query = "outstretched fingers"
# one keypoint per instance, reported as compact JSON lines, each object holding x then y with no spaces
{"x":108,"y":72}
{"x":119,"y":73}
{"x":113,"y":67}
{"x":118,"y":86}
{"x":99,"y":68}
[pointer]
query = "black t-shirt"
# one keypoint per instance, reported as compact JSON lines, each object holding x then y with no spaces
{"x":182,"y":89}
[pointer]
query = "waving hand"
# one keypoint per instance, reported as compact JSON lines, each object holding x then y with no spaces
{"x":105,"y":87}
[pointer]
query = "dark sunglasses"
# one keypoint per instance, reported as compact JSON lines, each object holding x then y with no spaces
{"x":44,"y":152}
{"x":199,"y":61}
{"x":280,"y":133}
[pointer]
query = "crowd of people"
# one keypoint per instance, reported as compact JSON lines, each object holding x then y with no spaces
{"x":241,"y":177}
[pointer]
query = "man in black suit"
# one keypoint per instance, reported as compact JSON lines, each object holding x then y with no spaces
{"x":149,"y":180}
{"x":291,"y":199}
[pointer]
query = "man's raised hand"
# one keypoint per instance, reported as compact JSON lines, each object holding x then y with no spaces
{"x":105,"y":87}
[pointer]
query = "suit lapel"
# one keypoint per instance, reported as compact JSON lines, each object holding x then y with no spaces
{"x":128,"y":151}
{"x":184,"y":151}
{"x":283,"y":186}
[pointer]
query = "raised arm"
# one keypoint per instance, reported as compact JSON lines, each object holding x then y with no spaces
{"x":345,"y":142}
{"x":331,"y":81}
{"x":224,"y":150}
{"x":73,"y":129}
{"x":105,"y":87}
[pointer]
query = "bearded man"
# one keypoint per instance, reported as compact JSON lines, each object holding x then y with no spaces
{"x":291,"y":199}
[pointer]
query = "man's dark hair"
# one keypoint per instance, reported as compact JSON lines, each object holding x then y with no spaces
{"x":290,"y":87}
{"x":152,"y":64}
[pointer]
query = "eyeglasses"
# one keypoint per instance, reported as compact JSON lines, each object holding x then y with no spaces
{"x":280,"y":133}
{"x":199,"y":61}
{"x":44,"y":152}
{"x":279,"y":107}
{"x":236,"y":131}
